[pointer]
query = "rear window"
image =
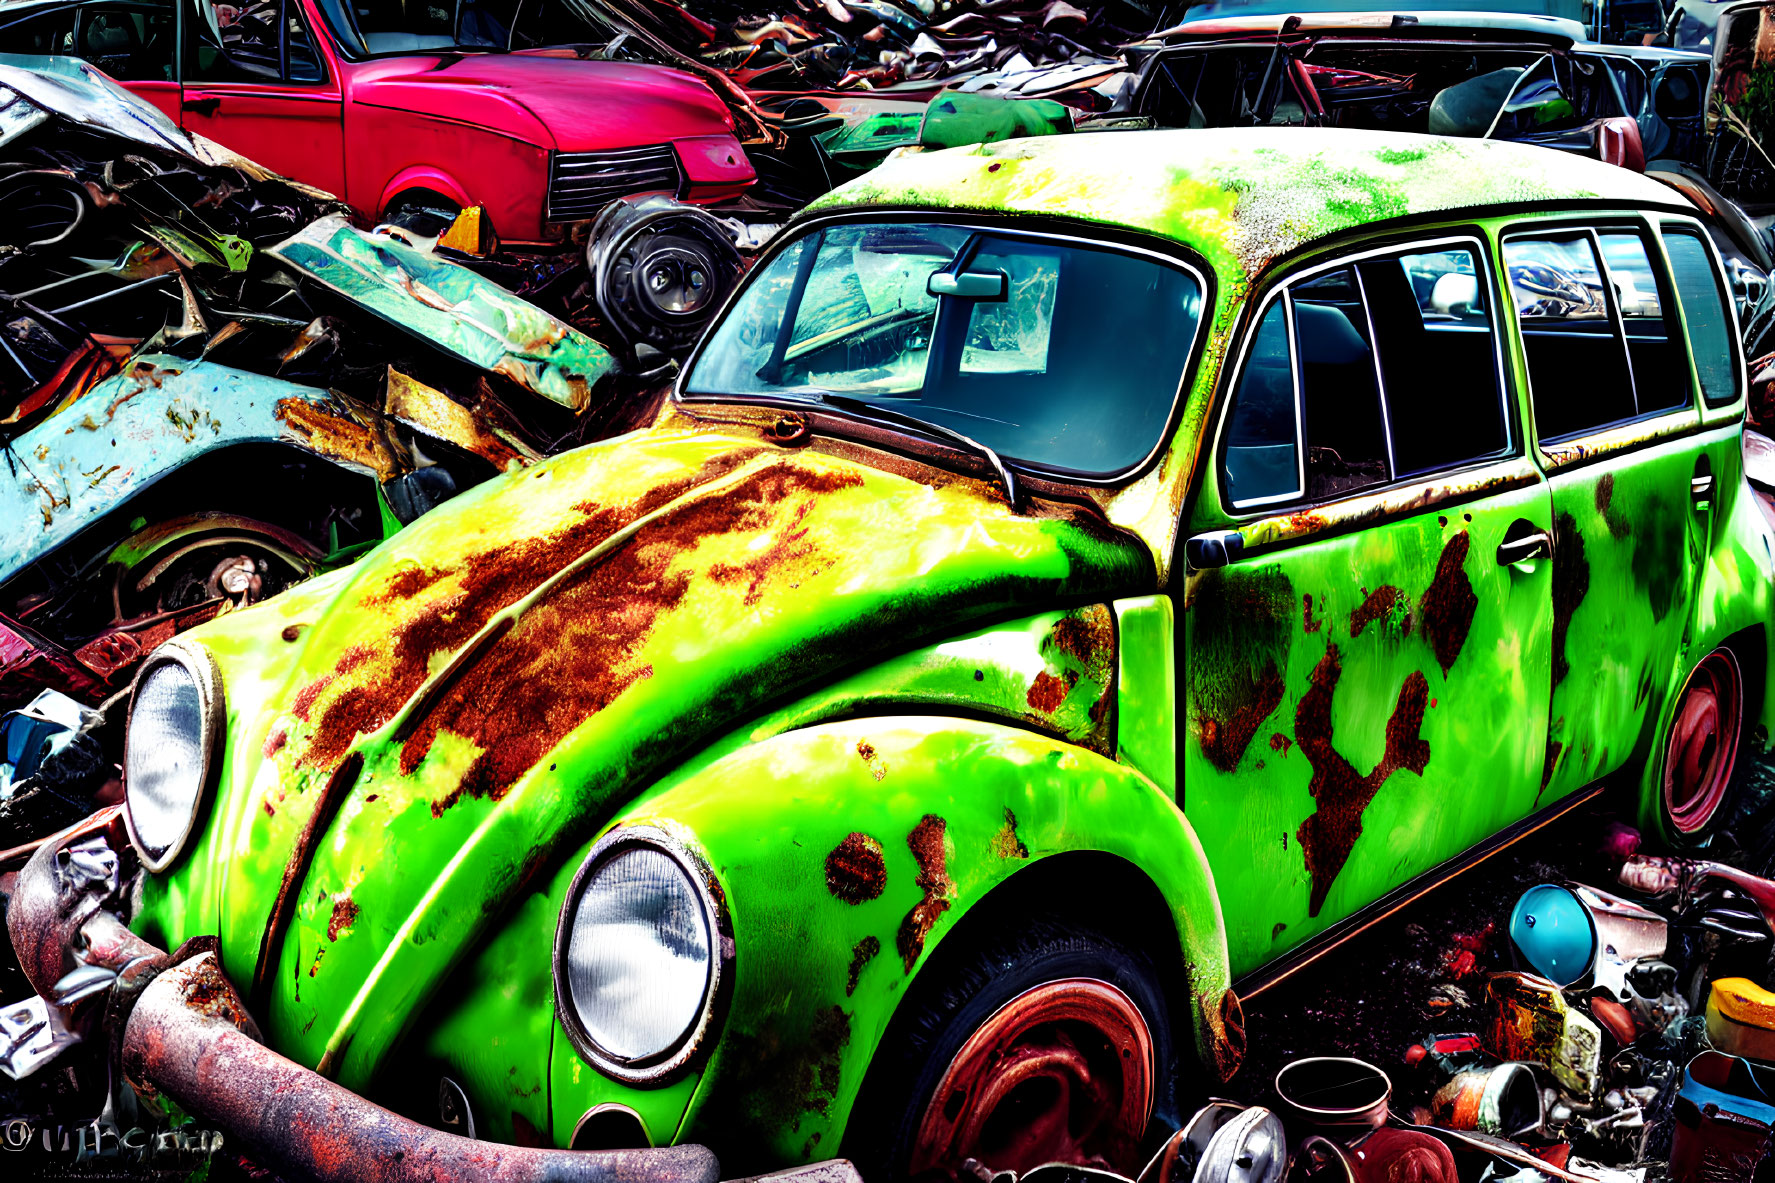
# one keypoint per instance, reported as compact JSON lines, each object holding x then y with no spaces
{"x":1364,"y":374}
{"x":1055,"y":353}
{"x":1598,"y":330}
{"x":1708,"y":318}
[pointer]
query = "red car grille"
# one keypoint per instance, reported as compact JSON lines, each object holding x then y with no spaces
{"x":582,"y":183}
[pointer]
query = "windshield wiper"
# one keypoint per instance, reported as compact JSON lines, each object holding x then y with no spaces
{"x":869,"y":410}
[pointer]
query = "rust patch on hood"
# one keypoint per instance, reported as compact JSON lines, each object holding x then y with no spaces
{"x":1449,"y":603}
{"x":927,"y":842}
{"x":1340,"y":795}
{"x":1378,"y":605}
{"x":344,"y":915}
{"x":855,"y":870}
{"x":575,"y":652}
{"x":487,"y":582}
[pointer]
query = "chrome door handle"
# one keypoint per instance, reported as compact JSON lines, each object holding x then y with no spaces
{"x":1701,"y":488}
{"x":1521,"y":550}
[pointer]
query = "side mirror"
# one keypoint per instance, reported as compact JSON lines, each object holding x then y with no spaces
{"x":1618,"y":143}
{"x":1215,"y":549}
{"x":969,"y":285}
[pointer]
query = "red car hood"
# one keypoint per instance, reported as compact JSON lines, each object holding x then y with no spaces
{"x":553,"y":102}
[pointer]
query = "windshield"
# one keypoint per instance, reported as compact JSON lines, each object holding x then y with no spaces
{"x":1059,"y":355}
{"x":373,"y":28}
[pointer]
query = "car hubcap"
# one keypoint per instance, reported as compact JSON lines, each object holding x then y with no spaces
{"x":1061,"y":1073}
{"x":1703,"y":743}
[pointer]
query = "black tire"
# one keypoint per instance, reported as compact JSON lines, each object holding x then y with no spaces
{"x":974,"y":973}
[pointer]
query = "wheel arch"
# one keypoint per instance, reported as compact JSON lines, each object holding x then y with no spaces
{"x":826,"y":843}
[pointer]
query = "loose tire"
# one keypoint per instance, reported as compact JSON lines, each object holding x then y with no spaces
{"x":1049,"y":1043}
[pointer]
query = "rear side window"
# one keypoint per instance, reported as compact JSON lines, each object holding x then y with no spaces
{"x":1705,"y":313}
{"x":1360,"y":375}
{"x":1598,"y":329}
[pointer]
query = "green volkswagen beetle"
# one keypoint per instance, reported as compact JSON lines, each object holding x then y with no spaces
{"x":1074,"y":582}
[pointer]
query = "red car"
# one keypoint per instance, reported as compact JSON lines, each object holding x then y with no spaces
{"x":385,"y":103}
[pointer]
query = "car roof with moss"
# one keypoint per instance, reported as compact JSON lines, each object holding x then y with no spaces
{"x":1243,"y":196}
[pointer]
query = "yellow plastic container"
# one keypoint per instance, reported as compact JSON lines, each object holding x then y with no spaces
{"x":1741,"y":1019}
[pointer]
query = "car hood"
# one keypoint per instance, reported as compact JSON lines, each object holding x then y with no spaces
{"x":554,"y":102}
{"x":440,"y":723}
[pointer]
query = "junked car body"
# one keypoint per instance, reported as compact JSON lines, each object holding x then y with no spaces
{"x":1073,"y":576}
{"x":212,"y":385}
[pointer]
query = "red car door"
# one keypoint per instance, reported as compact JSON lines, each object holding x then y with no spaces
{"x":256,"y":81}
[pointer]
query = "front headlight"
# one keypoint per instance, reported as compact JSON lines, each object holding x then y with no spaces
{"x":640,"y":955}
{"x":175,"y":720}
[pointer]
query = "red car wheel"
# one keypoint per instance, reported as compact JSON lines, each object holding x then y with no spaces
{"x":1703,"y":743}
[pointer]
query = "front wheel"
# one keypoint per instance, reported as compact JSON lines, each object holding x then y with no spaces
{"x":1051,"y":1044}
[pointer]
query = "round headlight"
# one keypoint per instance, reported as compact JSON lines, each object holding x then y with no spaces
{"x":175,"y":718}
{"x":638,"y":955}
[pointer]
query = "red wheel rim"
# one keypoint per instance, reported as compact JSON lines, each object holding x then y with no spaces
{"x":1703,"y":743}
{"x":1061,"y":1073}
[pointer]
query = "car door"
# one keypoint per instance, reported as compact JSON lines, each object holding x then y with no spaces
{"x":134,"y":41}
{"x":1366,"y":680}
{"x":1616,"y":423}
{"x":255,"y":81}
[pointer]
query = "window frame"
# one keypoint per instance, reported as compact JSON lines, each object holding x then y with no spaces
{"x":1592,"y":229}
{"x":1037,"y":227}
{"x":1469,"y":237}
{"x":1661,"y":227}
{"x":189,"y":18}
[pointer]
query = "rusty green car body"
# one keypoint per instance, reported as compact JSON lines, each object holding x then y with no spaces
{"x":871,"y":697}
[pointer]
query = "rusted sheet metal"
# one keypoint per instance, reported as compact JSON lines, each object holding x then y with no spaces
{"x":1357,"y":512}
{"x":434,"y":413}
{"x":450,"y":306}
{"x":189,"y":1039}
{"x":1628,"y":435}
{"x":131,"y":430}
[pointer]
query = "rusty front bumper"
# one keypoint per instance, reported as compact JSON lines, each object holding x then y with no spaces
{"x":177,"y":1028}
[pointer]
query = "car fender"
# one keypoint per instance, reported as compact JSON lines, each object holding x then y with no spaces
{"x":159,"y":414}
{"x":1732,"y":603}
{"x":423,"y":176}
{"x":846,"y":852}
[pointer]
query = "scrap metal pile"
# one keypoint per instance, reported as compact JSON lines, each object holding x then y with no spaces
{"x":213,"y":385}
{"x":1035,"y":46}
{"x":1621,"y":1033}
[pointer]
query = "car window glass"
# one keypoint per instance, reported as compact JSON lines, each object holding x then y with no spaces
{"x":240,"y":43}
{"x":130,"y":44}
{"x":864,"y":323}
{"x":1346,"y":437}
{"x":303,"y":63}
{"x":1660,"y":377}
{"x":1263,"y":430}
{"x":1439,"y":371}
{"x":1577,"y":364}
{"x":1705,"y":313}
{"x":1071,"y":360}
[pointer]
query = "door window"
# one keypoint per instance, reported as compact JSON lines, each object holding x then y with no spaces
{"x":255,"y":41}
{"x":1595,"y":331}
{"x":132,"y":44}
{"x":1390,"y":370}
{"x":1705,"y":313}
